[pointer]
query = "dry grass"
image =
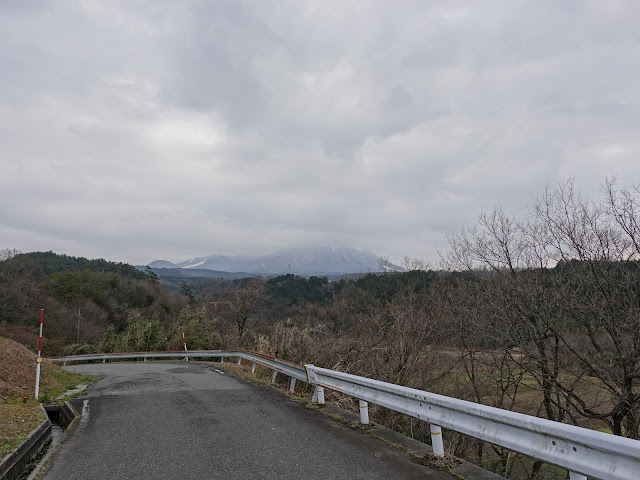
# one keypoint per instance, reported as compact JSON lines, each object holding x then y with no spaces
{"x":17,"y":370}
{"x":18,"y":419}
{"x":262,"y":376}
{"x":17,"y":381}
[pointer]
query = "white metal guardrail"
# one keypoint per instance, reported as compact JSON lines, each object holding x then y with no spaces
{"x":581,"y":451}
{"x":290,"y":369}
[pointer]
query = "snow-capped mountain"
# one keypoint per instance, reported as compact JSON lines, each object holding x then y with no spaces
{"x":300,"y":261}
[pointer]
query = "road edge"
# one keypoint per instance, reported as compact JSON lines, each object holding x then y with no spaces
{"x":462,"y":469}
{"x":42,"y":465}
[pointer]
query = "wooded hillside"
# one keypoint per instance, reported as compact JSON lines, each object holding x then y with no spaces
{"x":539,"y":314}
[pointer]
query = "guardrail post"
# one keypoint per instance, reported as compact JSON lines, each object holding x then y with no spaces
{"x":273,"y":377}
{"x":253,"y":367}
{"x":576,"y":476}
{"x":144,"y":359}
{"x":320,"y":395}
{"x":364,"y":412}
{"x":104,"y":360}
{"x":239,"y":360}
{"x":436,"y":440}
{"x":292,"y":385}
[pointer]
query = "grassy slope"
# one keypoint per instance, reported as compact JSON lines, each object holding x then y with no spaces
{"x":17,"y":381}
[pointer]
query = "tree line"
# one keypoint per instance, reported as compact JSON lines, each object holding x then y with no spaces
{"x":538,"y":313}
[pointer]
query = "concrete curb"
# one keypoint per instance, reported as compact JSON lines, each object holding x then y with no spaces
{"x":13,"y":463}
{"x":71,"y":419}
{"x":63,"y":414}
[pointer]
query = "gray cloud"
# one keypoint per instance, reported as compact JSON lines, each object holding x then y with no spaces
{"x":158,"y":129}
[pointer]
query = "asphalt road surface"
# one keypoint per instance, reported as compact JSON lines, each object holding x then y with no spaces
{"x":191,"y":421}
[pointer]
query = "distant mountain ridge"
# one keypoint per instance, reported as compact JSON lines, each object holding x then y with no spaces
{"x":197,"y":273}
{"x":299,"y":261}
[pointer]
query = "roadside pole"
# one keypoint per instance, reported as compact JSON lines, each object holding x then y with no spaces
{"x":184,"y":340}
{"x":39,"y":359}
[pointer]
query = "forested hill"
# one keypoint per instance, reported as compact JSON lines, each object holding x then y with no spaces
{"x":81,"y":297}
{"x":54,"y":262}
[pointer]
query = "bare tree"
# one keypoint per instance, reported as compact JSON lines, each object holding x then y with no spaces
{"x":597,"y":247}
{"x":247,"y":304}
{"x":7,"y":253}
{"x":563,"y":287}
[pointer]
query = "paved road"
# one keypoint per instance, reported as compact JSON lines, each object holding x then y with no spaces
{"x":189,"y":421}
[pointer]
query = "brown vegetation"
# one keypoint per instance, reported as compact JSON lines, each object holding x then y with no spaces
{"x":537,"y":314}
{"x":19,"y":411}
{"x":17,"y":369}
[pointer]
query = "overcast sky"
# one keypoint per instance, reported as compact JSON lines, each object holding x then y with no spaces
{"x":165,"y":129}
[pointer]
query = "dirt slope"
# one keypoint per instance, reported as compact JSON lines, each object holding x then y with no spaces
{"x":17,"y":369}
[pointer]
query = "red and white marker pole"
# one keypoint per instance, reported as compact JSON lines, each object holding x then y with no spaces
{"x":184,"y":340}
{"x":39,"y":359}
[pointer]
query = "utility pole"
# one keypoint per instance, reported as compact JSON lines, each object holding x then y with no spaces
{"x":78,"y":342}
